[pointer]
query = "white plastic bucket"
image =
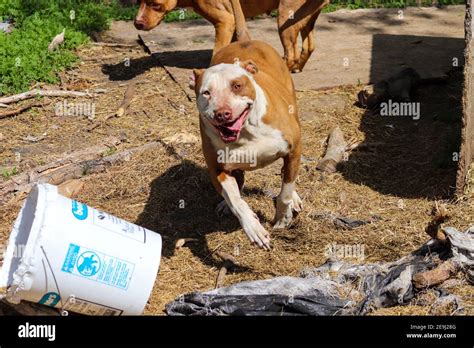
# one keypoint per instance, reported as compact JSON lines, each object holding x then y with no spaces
{"x":63,"y":254}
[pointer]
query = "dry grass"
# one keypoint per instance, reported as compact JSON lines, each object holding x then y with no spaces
{"x":396,"y":176}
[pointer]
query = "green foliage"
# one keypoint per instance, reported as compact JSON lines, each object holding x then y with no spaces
{"x":24,"y":57}
{"x":7,"y":173}
{"x":180,"y":15}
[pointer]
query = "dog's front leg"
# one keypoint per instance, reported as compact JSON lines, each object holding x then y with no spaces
{"x":288,"y":200}
{"x":229,"y":189}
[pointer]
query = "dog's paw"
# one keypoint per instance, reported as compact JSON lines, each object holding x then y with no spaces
{"x":256,"y":232}
{"x":297,"y":205}
{"x":222,"y":209}
{"x":284,"y":213}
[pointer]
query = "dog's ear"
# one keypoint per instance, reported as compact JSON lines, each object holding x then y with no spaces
{"x":193,"y":79}
{"x":250,"y":66}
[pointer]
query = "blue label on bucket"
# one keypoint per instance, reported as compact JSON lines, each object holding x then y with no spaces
{"x":97,"y":266}
{"x":79,"y":210}
{"x":50,"y":299}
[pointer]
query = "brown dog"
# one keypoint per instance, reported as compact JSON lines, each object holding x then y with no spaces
{"x":295,"y":17}
{"x":248,"y":119}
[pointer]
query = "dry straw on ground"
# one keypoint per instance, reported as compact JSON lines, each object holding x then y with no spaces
{"x":393,"y":178}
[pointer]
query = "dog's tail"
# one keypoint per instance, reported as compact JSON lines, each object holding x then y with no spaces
{"x":241,"y":29}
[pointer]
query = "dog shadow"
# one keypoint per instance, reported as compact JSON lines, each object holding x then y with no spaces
{"x":127,"y":70}
{"x":412,"y":158}
{"x":181,"y":205}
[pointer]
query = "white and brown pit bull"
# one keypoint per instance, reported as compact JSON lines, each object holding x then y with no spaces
{"x":249,"y":119}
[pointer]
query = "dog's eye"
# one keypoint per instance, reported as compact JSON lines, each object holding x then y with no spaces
{"x":236,"y":87}
{"x":206,"y":93}
{"x":154,"y":6}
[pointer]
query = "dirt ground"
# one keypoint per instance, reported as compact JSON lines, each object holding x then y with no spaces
{"x":399,"y":171}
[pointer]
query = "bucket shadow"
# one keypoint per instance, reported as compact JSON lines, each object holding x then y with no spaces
{"x":182,"y":204}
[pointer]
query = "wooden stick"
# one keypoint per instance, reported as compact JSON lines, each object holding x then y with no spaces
{"x":334,"y":153}
{"x":112,"y":44}
{"x":43,"y":93}
{"x":19,"y":110}
{"x":127,"y":99}
{"x":229,"y":262}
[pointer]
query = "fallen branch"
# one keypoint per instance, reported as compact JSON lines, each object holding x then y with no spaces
{"x":43,"y":93}
{"x":19,"y":110}
{"x":127,"y":99}
{"x":73,"y":166}
{"x":112,"y":44}
{"x":23,"y":183}
{"x":229,"y":262}
{"x":334,"y":153}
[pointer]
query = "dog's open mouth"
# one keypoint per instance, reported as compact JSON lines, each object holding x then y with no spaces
{"x":230,"y":132}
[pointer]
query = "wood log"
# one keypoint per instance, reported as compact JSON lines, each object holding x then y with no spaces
{"x":229,"y":262}
{"x":57,"y":175}
{"x":334,"y":153}
{"x":435,"y":276}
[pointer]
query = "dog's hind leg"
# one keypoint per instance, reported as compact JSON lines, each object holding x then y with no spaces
{"x":288,"y":31}
{"x":307,"y":36}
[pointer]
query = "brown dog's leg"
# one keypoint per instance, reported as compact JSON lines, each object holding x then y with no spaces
{"x":307,"y":37}
{"x":224,"y":33}
{"x":289,"y":38}
{"x":298,"y":16}
{"x":288,"y":200}
{"x":221,"y":15}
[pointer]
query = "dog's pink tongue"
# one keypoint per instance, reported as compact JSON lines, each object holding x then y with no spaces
{"x":237,"y":126}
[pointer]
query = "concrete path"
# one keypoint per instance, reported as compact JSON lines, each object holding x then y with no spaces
{"x":359,"y":46}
